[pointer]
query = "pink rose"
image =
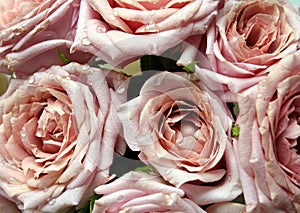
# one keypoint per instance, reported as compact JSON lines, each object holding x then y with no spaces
{"x":58,"y":130}
{"x":32,"y":31}
{"x":247,"y":38}
{"x":181,"y":130}
{"x":129,"y":29}
{"x":142,"y":192}
{"x":268,"y":145}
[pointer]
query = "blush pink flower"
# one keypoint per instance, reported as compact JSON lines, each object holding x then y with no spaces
{"x":142,"y":192}
{"x":181,"y":130}
{"x":118,"y":31}
{"x":32,"y":31}
{"x":58,"y":130}
{"x":247,"y":38}
{"x":268,"y":144}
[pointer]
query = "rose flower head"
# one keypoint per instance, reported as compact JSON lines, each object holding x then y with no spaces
{"x":118,"y":31}
{"x":268,"y":146}
{"x":58,"y":130}
{"x":247,"y":38}
{"x":181,"y":130}
{"x":32,"y":31}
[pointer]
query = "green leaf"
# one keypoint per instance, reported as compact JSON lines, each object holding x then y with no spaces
{"x":63,"y":57}
{"x":145,"y":169}
{"x":88,"y":208}
{"x":190,"y":68}
{"x":239,"y":199}
{"x":236,"y":109}
{"x":92,"y":201}
{"x":235,"y":130}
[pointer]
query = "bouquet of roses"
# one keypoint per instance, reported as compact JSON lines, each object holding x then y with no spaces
{"x":202,"y":95}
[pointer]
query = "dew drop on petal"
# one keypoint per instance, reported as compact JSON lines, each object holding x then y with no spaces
{"x":52,"y":201}
{"x":31,"y":80}
{"x":12,"y":180}
{"x":121,"y":89}
{"x":23,"y":134}
{"x":67,"y":78}
{"x":157,"y":81}
{"x":85,"y":41}
{"x":169,"y":171}
{"x":253,"y":160}
{"x":101,"y":29}
{"x":259,"y":95}
{"x":151,"y":27}
{"x":116,"y":13}
{"x":204,"y":28}
{"x":51,"y":76}
{"x":120,"y":198}
{"x":89,"y":81}
{"x":85,"y":67}
{"x":111,"y":17}
{"x":13,"y":75}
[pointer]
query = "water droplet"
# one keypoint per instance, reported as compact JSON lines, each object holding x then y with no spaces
{"x":67,"y":78}
{"x":157,"y":81}
{"x":134,"y":147}
{"x":116,"y":13}
{"x":89,"y":81}
{"x":13,"y":75}
{"x":52,"y":201}
{"x":259,"y":95}
{"x":168,"y":172}
{"x":85,"y":41}
{"x":85,"y":67}
{"x":121,"y":89}
{"x":204,"y":28}
{"x":253,"y":160}
{"x":112,"y":17}
{"x":31,"y":80}
{"x":296,"y":178}
{"x":101,"y":29}
{"x":12,"y":180}
{"x":51,"y":76}
{"x":84,"y":30}
{"x":23,"y":133}
{"x":153,"y":12}
{"x":120,"y":198}
{"x":152,"y":27}
{"x":39,"y":133}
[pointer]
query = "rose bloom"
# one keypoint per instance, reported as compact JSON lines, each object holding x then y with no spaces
{"x":181,"y":130}
{"x":58,"y":130}
{"x":247,"y":38}
{"x":268,"y":145}
{"x":31,"y":31}
{"x":128,"y":29}
{"x":142,"y":192}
